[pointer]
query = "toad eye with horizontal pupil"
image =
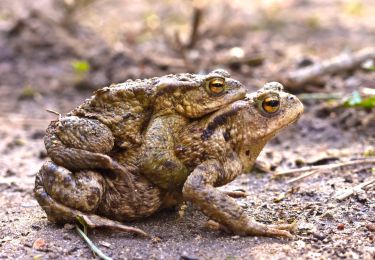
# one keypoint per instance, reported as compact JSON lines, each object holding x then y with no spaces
{"x":271,"y":104}
{"x":216,"y":85}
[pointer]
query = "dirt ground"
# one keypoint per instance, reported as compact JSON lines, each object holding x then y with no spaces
{"x":53,"y":56}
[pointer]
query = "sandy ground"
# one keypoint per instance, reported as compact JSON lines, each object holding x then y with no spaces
{"x":36,"y":73}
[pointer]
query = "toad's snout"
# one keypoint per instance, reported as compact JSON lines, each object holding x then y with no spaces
{"x":295,"y":104}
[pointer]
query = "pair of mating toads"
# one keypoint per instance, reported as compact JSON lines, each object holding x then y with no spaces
{"x":140,"y":146}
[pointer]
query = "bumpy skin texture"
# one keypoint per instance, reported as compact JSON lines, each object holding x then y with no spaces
{"x":220,"y":148}
{"x":158,"y":161}
{"x":127,"y":107}
{"x":207,"y":152}
{"x":115,"y":118}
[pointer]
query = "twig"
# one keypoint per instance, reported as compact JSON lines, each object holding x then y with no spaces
{"x":16,"y":180}
{"x":196,"y":21}
{"x":343,"y":62}
{"x":17,"y":119}
{"x":250,"y":60}
{"x":320,"y":96}
{"x":92,"y":246}
{"x":182,"y":47}
{"x":283,"y":195}
{"x":354,"y":189}
{"x":303,"y":176}
{"x":55,"y":113}
{"x":325,"y":167}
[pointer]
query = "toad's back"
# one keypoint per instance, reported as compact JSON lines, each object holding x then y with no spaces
{"x":125,"y":108}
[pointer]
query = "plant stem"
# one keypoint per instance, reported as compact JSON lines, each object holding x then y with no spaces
{"x":96,"y":250}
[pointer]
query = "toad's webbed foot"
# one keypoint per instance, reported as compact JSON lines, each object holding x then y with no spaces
{"x":95,"y":221}
{"x":290,"y":227}
{"x":200,"y":189}
{"x":237,"y":194}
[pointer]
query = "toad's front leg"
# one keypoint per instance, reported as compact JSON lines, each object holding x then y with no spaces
{"x":200,"y":189}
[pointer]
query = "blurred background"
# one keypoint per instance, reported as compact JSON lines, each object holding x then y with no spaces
{"x":55,"y":53}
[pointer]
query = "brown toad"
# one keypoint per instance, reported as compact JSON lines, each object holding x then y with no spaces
{"x":115,"y":117}
{"x":214,"y":150}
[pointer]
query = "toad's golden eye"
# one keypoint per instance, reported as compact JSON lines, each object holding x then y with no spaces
{"x":216,"y":85}
{"x":271,"y":104}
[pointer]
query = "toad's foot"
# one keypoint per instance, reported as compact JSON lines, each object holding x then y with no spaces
{"x":95,"y":221}
{"x":290,"y":227}
{"x":270,"y":230}
{"x":259,"y":229}
{"x":213,"y":225}
{"x":237,"y":194}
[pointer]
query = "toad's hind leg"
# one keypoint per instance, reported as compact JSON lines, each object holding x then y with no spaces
{"x":73,"y":198}
{"x":81,"y":190}
{"x":79,"y":143}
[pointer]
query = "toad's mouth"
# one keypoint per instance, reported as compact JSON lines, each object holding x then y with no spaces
{"x":294,"y":120}
{"x":272,"y":134}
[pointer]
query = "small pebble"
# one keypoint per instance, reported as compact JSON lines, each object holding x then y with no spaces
{"x":25,"y":233}
{"x":10,"y":173}
{"x":156,"y":240}
{"x":300,"y":244}
{"x":186,"y":256}
{"x":371,"y":227}
{"x":38,"y":134}
{"x":42,"y":154}
{"x":66,"y":236}
{"x":36,"y":227}
{"x":341,"y":226}
{"x":362,"y":197}
{"x":319,"y":236}
{"x":304,"y":62}
{"x":105,"y":244}
{"x":38,"y":244}
{"x":329,"y":214}
{"x":68,"y":226}
{"x":19,"y":142}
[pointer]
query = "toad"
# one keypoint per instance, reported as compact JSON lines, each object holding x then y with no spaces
{"x":213,"y":150}
{"x":116,"y":117}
